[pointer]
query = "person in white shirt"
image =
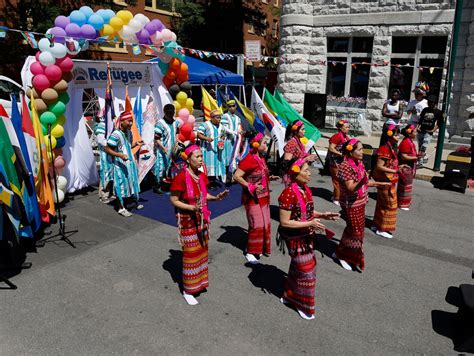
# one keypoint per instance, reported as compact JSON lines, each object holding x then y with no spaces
{"x":393,"y":109}
{"x":416,"y":106}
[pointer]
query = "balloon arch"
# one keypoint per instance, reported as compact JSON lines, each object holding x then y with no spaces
{"x":53,"y":67}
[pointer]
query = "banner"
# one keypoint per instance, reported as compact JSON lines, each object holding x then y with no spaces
{"x":93,"y":74}
{"x":147,"y":157}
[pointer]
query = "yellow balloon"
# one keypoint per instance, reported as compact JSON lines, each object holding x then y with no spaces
{"x":190,"y":109}
{"x":181,"y":97}
{"x":125,"y":16}
{"x":57,"y":131}
{"x":189,"y":102}
{"x":53,"y":142}
{"x":177,"y":105}
{"x":61,"y":120}
{"x":107,"y":30}
{"x":116,"y":23}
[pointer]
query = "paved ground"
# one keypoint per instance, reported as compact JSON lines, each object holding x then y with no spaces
{"x":117,"y":293}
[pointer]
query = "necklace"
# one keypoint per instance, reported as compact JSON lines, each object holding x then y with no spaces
{"x":191,"y":173}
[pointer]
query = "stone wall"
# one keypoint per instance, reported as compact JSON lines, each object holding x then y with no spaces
{"x":462,"y":95}
{"x":306,"y":25}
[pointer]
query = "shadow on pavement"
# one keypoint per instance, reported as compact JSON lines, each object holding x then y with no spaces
{"x":323,"y":193}
{"x":174,"y":265}
{"x":234,"y":235}
{"x":456,"y":326}
{"x":275,"y":213}
{"x":268,"y":278}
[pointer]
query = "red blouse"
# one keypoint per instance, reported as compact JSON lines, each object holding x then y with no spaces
{"x":295,"y":148}
{"x":407,"y":147}
{"x":253,"y":174}
{"x":179,"y":185}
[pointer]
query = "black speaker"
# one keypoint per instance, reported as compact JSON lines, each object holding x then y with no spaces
{"x":315,"y":109}
{"x":458,"y":165}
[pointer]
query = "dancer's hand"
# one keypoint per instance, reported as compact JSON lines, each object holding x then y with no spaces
{"x":258,"y":188}
{"x":310,"y":158}
{"x":124,"y":157}
{"x":209,"y":139}
{"x":222,"y":195}
{"x":328,"y":215}
{"x":197,"y":207}
{"x":316,"y":225}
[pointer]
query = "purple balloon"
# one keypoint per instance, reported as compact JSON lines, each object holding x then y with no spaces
{"x":143,"y":36}
{"x":150,"y":27}
{"x":87,"y":31}
{"x":58,"y":33}
{"x":73,"y":30}
{"x":61,"y":21}
{"x":159,"y":25}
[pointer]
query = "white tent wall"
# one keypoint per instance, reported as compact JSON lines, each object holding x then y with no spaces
{"x":80,"y":170}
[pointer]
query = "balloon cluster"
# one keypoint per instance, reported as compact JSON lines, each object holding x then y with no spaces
{"x":186,"y":126}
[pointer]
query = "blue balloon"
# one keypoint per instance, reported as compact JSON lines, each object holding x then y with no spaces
{"x":60,"y":142}
{"x":77,"y":17}
{"x":109,"y":13}
{"x":96,"y":21}
{"x":87,"y":11}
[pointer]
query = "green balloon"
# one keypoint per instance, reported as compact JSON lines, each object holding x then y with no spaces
{"x":47,"y":118}
{"x":44,"y":129}
{"x":58,"y":108}
{"x":64,"y":97}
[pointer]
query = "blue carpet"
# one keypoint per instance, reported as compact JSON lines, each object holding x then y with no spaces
{"x":159,"y":208}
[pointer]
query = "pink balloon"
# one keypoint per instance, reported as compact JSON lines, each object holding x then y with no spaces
{"x":191,"y":119}
{"x":37,"y":56}
{"x":41,"y":82}
{"x":180,"y":122}
{"x":167,"y":35}
{"x":157,"y":38}
{"x":53,"y":73}
{"x":36,"y":68}
{"x":65,"y":64}
{"x":183,"y":114}
{"x":59,"y":162}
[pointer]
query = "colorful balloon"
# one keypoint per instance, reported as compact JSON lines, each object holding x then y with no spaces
{"x":60,"y":86}
{"x":116,"y":22}
{"x":40,"y":82}
{"x":64,"y":97}
{"x":88,"y":32}
{"x":107,"y":30}
{"x":40,"y":105}
{"x":57,"y":131}
{"x":46,"y":58}
{"x":183,"y":114}
{"x":189,"y":102}
{"x":73,"y":30}
{"x":77,"y":17}
{"x":60,"y":197}
{"x":65,"y":64}
{"x":181,"y":97}
{"x":58,"y":108}
{"x":61,"y":120}
{"x":96,"y":21}
{"x":49,"y":96}
{"x":60,"y":142}
{"x":53,"y":73}
{"x":59,"y":162}
{"x":125,"y":16}
{"x":36,"y":68}
{"x":61,"y":21}
{"x":47,"y":118}
{"x":58,"y":33}
{"x":87,"y":11}
{"x":177,"y":105}
{"x":191,"y":119}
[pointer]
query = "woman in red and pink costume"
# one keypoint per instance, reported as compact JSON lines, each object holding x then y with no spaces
{"x":189,"y":196}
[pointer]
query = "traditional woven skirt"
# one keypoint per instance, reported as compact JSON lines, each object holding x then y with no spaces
{"x":405,"y":187}
{"x":259,"y":235}
{"x":385,"y":217}
{"x":301,"y":282}
{"x":351,"y":247}
{"x":335,"y":182}
{"x":195,"y":253}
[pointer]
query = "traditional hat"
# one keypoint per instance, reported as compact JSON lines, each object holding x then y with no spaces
{"x":126,"y":115}
{"x":230,"y":102}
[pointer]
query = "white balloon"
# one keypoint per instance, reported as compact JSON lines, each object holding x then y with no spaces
{"x":61,"y":182}
{"x":136,"y":25}
{"x":46,"y":58}
{"x":127,"y":31}
{"x":173,"y":37}
{"x":43,"y":45}
{"x":142,"y":19}
{"x":60,"y":197}
{"x":58,"y":50}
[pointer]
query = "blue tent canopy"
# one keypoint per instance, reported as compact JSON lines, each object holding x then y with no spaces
{"x":204,"y":73}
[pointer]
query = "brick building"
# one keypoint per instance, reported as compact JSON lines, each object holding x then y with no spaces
{"x":353,"y":52}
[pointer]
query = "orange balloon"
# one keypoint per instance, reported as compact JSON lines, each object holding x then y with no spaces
{"x":171,"y":75}
{"x":167,"y":81}
{"x":183,"y":68}
{"x":175,"y":64}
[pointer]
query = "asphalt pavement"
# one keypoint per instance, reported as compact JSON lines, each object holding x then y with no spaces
{"x":118,"y":292}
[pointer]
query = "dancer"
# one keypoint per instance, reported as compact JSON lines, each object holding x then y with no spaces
{"x":212,"y":136}
{"x":126,"y":183}
{"x":407,"y":157}
{"x":336,"y":157}
{"x":298,"y":225}
{"x":253,"y":175}
{"x":294,"y":148}
{"x":166,"y":130}
{"x":106,"y":170}
{"x":354,"y":184}
{"x":189,"y":196}
{"x":386,"y":170}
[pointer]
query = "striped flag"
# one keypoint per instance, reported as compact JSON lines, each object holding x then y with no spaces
{"x":208,"y":104}
{"x":138,"y":111}
{"x":273,"y":126}
{"x":30,"y":38}
{"x":30,"y":139}
{"x":109,"y":113}
{"x":135,"y":133}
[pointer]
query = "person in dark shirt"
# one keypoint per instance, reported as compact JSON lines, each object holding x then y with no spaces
{"x":430,"y":120}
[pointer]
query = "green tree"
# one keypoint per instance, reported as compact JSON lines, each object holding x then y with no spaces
{"x":189,"y":23}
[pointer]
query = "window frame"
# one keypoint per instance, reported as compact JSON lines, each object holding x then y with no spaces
{"x":154,"y":8}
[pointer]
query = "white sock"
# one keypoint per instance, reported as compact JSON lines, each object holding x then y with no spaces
{"x":304,"y":315}
{"x":283,"y":301}
{"x":189,"y":298}
{"x":345,"y":265}
{"x":251,"y":258}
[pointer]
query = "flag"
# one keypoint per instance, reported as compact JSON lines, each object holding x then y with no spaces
{"x":275,"y":108}
{"x":30,"y":38}
{"x":43,"y":184}
{"x":135,"y":133}
{"x":109,"y":113}
{"x":147,"y":158}
{"x":138,"y":111}
{"x":9,"y":201}
{"x":3,"y":33}
{"x":136,"y":49}
{"x":248,"y":114}
{"x":312,"y":132}
{"x":30,"y":140}
{"x":221,"y":102}
{"x":272,"y":125}
{"x":208,"y":104}
{"x":29,"y":195}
